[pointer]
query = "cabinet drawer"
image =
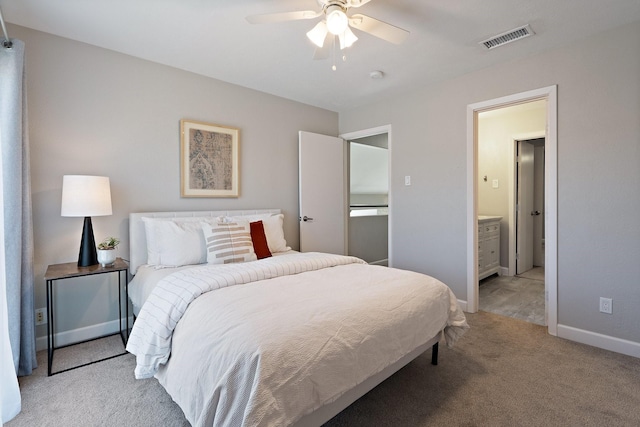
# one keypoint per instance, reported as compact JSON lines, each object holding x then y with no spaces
{"x":491,"y":229}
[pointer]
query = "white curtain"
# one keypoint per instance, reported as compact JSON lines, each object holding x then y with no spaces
{"x":10,"y":402}
{"x":17,"y":329}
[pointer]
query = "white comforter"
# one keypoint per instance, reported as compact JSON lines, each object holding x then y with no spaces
{"x":270,"y":351}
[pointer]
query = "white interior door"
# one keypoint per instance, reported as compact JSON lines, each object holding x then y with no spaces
{"x":322,"y":193}
{"x":538,"y":206}
{"x":526,"y":213}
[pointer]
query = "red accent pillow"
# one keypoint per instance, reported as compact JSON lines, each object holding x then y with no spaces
{"x":259,"y":240}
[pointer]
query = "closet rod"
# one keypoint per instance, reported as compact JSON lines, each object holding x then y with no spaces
{"x":7,"y":42}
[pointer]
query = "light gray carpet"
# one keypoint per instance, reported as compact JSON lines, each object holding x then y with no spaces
{"x":102,"y":394}
{"x":87,"y":352}
{"x":503,"y":372}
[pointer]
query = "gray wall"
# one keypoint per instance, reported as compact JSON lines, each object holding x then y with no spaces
{"x":598,"y":173}
{"x":369,"y":237}
{"x":97,"y":112}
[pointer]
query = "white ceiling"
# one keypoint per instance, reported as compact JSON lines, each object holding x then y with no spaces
{"x":212,"y":38}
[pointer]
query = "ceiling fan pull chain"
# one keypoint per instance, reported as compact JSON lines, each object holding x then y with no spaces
{"x":333,"y":67}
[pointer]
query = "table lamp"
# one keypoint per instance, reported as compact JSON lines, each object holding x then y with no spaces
{"x":87,"y":196}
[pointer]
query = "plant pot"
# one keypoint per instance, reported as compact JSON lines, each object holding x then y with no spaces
{"x":106,"y":257}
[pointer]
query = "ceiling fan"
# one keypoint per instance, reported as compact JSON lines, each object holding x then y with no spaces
{"x":337,"y":23}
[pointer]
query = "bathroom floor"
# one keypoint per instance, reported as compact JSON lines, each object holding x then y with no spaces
{"x":521,"y":297}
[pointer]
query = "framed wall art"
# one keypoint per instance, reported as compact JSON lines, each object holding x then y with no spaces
{"x":208,"y":160}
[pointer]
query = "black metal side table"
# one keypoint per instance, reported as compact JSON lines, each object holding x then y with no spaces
{"x":68,"y":270}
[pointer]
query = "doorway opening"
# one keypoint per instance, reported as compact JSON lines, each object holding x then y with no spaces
{"x":369,"y":195}
{"x":477,"y":185}
{"x":508,"y":199}
{"x":368,"y":223}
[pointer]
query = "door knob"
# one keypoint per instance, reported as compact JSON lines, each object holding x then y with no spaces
{"x":306,"y":218}
{"x":535,"y":213}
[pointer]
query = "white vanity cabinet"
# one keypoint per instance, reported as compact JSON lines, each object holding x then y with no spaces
{"x":488,"y":245}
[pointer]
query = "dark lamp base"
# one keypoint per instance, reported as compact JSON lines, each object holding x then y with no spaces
{"x":88,"y":255}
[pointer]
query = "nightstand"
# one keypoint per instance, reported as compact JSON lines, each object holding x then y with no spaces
{"x":56,"y":272}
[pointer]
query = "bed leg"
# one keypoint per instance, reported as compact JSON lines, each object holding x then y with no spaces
{"x":434,"y":354}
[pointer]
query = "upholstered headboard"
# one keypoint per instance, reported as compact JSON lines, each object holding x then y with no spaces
{"x":138,"y":239}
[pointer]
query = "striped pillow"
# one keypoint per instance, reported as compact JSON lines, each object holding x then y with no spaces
{"x":228,"y":242}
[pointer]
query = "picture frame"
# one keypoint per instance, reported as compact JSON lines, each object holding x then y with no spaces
{"x":208,"y":160}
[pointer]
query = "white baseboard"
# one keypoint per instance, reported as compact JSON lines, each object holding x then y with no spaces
{"x":504,"y":271}
{"x":630,"y":348}
{"x":618,"y":345}
{"x":81,"y":334}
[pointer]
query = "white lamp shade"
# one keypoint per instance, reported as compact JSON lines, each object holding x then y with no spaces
{"x":318,"y":34}
{"x":85,"y":195}
{"x":347,"y":38}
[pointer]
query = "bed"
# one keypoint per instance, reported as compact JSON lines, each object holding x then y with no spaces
{"x":287,"y":339}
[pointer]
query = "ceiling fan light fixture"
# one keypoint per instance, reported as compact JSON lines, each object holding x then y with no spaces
{"x":337,"y":21}
{"x":318,"y":34}
{"x":347,"y":38}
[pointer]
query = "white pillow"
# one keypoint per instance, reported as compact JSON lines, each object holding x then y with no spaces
{"x":273,"y":229}
{"x":173,"y":242}
{"x":228,"y":242}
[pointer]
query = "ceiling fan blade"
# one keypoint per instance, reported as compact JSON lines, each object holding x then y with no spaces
{"x":271,"y":18}
{"x":378,"y":28}
{"x":356,"y":3}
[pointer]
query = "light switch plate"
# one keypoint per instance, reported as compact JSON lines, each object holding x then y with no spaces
{"x":494,"y":183}
{"x":407,"y":180}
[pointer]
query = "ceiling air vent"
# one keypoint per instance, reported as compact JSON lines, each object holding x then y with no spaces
{"x":508,"y":37}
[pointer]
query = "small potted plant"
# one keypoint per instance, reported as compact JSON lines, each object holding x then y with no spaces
{"x":106,"y":251}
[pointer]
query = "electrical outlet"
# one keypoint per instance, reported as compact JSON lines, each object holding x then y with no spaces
{"x":41,"y":316}
{"x":606,"y":305}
